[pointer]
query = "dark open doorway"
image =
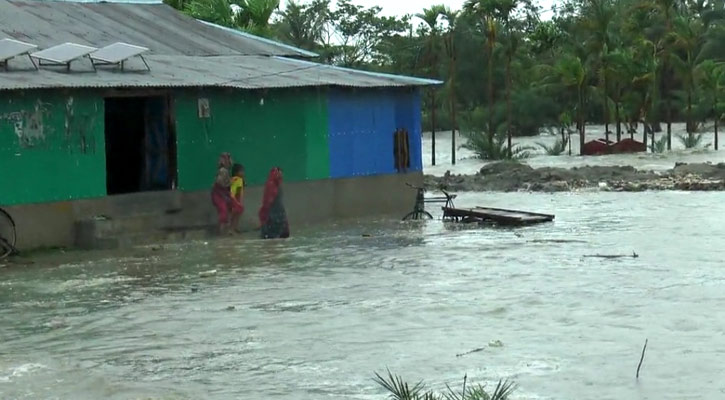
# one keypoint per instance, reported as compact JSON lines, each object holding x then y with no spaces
{"x":140,"y":145}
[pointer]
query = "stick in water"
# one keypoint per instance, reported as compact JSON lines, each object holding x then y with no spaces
{"x":642,"y":357}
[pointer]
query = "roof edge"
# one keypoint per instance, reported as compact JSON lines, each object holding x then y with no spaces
{"x":417,"y":80}
{"x":301,"y":52}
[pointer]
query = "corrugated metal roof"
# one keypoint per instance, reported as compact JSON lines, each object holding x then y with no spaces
{"x":156,"y":26}
{"x":184,"y":52}
{"x":244,"y":72}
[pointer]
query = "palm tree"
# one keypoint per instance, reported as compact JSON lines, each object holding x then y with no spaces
{"x":485,"y":10}
{"x":248,"y":15}
{"x":430,"y":17}
{"x":504,"y":9}
{"x":598,"y":20}
{"x":215,"y":11}
{"x":451,"y":18}
{"x":569,"y":73}
{"x":687,"y":36}
{"x":254,"y":16}
{"x":668,"y":10}
{"x":711,"y":76}
{"x":304,"y":25}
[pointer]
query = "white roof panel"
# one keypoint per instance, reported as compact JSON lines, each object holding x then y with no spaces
{"x":10,"y":48}
{"x":64,"y":53}
{"x":117,"y":52}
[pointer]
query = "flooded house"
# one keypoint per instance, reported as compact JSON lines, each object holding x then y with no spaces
{"x":113,"y":116}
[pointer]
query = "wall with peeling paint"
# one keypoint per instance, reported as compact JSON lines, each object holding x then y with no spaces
{"x":51,"y":147}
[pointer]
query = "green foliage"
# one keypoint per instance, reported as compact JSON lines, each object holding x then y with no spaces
{"x":691,"y":141}
{"x":595,"y":60}
{"x":399,"y":389}
{"x":492,"y":147}
{"x":558,"y":148}
{"x":660,"y":145}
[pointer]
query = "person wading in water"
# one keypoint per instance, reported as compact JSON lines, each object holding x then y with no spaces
{"x":221,"y":195}
{"x":272,"y":215}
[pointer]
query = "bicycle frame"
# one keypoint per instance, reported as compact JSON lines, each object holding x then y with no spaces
{"x":419,"y":211}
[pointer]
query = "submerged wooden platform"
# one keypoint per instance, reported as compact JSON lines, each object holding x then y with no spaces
{"x":497,"y":216}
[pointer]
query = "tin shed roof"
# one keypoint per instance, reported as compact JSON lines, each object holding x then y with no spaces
{"x":183,"y":52}
{"x":243,"y":72}
{"x":156,"y":26}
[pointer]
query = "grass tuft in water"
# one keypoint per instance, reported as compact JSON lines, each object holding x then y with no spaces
{"x":399,"y":389}
{"x":691,"y":141}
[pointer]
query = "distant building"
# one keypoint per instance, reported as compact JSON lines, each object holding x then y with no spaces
{"x":138,"y":146}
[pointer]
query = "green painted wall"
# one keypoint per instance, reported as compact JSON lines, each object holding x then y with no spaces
{"x":285,"y":128}
{"x":51,"y":146}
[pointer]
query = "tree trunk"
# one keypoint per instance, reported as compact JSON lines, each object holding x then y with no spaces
{"x":582,"y":132}
{"x":452,"y":75}
{"x":668,"y":105}
{"x":618,"y":121}
{"x":433,"y":127}
{"x":644,"y":135}
{"x":491,"y":133}
{"x":606,"y":104}
{"x":716,"y":138}
{"x":508,"y":105}
{"x":689,"y":126}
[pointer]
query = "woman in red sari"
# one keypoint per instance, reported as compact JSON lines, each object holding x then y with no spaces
{"x":272,"y":215}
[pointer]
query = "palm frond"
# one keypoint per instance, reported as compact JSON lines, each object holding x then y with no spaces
{"x":398,"y":388}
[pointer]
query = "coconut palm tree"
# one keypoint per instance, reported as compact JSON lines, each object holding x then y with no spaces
{"x":432,"y":32}
{"x":569,"y":73}
{"x":215,"y":11}
{"x":504,"y":9}
{"x":451,"y":18}
{"x":485,"y":10}
{"x":687,"y":37}
{"x":598,"y":18}
{"x":304,"y":25}
{"x":710,"y":77}
{"x":254,"y":16}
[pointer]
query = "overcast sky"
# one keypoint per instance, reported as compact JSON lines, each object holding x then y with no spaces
{"x":402,"y":7}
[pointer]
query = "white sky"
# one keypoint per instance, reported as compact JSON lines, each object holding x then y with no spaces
{"x":402,"y":7}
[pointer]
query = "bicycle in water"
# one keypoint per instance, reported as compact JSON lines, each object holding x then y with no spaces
{"x":419,"y":211}
{"x":8,"y":235}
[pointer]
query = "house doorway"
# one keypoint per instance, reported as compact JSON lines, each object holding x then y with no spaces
{"x":140,"y":144}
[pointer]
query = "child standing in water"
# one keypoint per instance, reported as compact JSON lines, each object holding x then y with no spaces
{"x":237,"y":193}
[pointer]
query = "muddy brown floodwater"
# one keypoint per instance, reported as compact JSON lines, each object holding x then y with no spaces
{"x":315,"y":316}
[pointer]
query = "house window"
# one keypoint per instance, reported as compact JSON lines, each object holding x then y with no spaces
{"x":401,"y":150}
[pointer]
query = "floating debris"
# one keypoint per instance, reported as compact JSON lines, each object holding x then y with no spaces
{"x":471,"y":352}
{"x":207,"y":274}
{"x":633,"y":255}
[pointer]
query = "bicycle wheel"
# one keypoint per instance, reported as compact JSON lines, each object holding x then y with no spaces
{"x":410,"y":216}
{"x":7,"y":234}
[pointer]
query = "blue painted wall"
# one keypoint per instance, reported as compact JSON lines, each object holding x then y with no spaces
{"x":361,"y":127}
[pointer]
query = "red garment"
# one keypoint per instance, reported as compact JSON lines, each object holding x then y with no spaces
{"x":271,"y":188}
{"x":221,"y":198}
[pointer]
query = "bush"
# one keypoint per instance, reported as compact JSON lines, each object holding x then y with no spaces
{"x":558,"y":148}
{"x":659,"y":146}
{"x":494,"y":148}
{"x":691,"y":141}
